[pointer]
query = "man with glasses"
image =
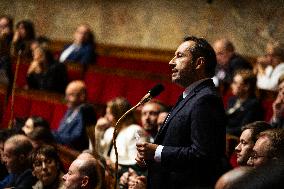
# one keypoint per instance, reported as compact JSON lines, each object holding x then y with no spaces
{"x":268,"y":147}
{"x":248,"y":139}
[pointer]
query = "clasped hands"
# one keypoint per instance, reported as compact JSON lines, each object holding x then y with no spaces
{"x":146,"y":151}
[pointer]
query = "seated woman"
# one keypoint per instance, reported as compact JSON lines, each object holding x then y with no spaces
{"x":82,"y":49}
{"x":47,"y":167}
{"x":243,"y":107}
{"x":32,"y":122}
{"x":127,"y":130}
{"x":23,"y":36}
{"x":45,"y":73}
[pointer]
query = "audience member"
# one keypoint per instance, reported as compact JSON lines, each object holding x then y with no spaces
{"x":268,"y":176}
{"x":23,"y":36}
{"x":102,"y":170}
{"x":82,"y":173}
{"x":34,"y":121}
{"x":45,"y":73}
{"x":6,"y":34}
{"x":17,"y":150}
{"x":71,"y":131}
{"x":189,"y":149}
{"x":248,"y":139}
{"x":243,"y":107}
{"x":40,"y":136}
{"x":149,"y":118}
{"x":277,"y":120}
{"x":47,"y":167}
{"x":268,"y":147}
{"x":269,"y":72}
{"x":40,"y":41}
{"x":82,"y":49}
{"x":4,"y":135}
{"x":228,"y":62}
{"x":126,"y":135}
{"x":6,"y":29}
{"x":227,"y":179}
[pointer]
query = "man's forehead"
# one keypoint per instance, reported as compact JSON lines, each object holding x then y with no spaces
{"x":185,"y":46}
{"x":150,"y":107}
{"x":262,"y":143}
{"x":246,"y":134}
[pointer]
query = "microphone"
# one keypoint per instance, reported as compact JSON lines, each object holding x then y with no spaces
{"x":155,"y":91}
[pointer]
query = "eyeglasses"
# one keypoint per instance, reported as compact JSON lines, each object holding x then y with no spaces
{"x":256,"y":156}
{"x":42,"y":163}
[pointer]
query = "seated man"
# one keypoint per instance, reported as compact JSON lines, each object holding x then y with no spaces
{"x":149,"y":117}
{"x":82,"y":173}
{"x":228,"y":61}
{"x":71,"y":131}
{"x":17,"y":150}
{"x":82,"y":49}
{"x":269,"y":73}
{"x":268,"y":148}
{"x":248,"y":139}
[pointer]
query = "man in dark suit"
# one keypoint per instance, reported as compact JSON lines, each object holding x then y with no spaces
{"x":189,"y":148}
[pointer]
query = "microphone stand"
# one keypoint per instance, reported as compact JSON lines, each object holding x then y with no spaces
{"x":145,"y":99}
{"x":14,"y":88}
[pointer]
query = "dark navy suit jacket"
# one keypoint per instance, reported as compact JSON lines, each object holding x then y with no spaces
{"x":193,"y":137}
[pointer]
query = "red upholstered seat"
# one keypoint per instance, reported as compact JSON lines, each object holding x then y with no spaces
{"x":58,"y":113}
{"x":22,"y":108}
{"x":42,"y":108}
{"x":267,"y":107}
{"x":95,"y":83}
{"x":21,"y":77}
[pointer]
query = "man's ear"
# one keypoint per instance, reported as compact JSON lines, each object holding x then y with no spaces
{"x":85,"y":181}
{"x":199,"y":63}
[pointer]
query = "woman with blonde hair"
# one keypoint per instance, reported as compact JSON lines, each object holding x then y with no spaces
{"x":126,"y":135}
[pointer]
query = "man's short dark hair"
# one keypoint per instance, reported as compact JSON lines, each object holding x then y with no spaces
{"x":203,"y":49}
{"x":256,"y":128}
{"x":21,"y":143}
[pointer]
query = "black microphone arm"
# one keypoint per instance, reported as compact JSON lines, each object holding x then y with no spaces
{"x":155,"y":91}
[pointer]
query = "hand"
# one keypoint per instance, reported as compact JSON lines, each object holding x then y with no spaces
{"x":16,"y":36}
{"x":140,"y":183}
{"x":103,"y":124}
{"x":146,"y":151}
{"x":127,"y":177}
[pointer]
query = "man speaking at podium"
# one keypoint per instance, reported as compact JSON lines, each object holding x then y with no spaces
{"x":189,"y":149}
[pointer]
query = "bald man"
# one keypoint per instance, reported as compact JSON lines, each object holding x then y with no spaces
{"x":71,"y":131}
{"x":82,"y":173}
{"x":228,"y":61}
{"x":16,"y":155}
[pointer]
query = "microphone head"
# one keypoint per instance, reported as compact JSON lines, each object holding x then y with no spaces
{"x":155,"y":91}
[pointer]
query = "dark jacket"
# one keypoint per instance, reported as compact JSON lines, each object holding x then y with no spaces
{"x":193,"y":137}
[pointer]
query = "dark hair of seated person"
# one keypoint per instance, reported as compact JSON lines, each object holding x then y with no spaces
{"x":52,"y":77}
{"x":40,"y":136}
{"x":48,"y":155}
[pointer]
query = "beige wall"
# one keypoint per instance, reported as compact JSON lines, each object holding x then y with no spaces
{"x":156,"y":23}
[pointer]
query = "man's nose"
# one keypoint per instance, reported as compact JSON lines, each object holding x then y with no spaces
{"x":250,"y":162}
{"x":64,"y":177}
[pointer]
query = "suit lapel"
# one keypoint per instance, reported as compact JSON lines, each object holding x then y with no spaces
{"x":171,"y":115}
{"x":178,"y":107}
